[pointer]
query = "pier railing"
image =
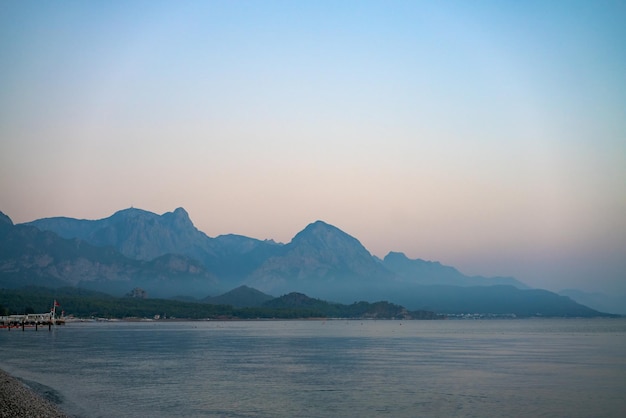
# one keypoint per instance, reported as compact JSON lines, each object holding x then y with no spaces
{"x":30,"y":321}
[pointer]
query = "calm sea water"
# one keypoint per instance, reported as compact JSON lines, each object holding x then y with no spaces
{"x":533,"y":368}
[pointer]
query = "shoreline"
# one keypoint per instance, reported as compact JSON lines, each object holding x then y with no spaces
{"x":19,"y":401}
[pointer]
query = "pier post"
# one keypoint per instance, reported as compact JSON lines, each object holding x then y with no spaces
{"x":23,"y":325}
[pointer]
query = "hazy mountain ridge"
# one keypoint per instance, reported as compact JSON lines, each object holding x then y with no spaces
{"x":318,"y":255}
{"x":500,"y":299}
{"x":614,"y":303}
{"x":321,"y":260}
{"x":136,"y":233}
{"x":432,"y":272}
{"x":143,"y":235}
{"x":29,"y":256}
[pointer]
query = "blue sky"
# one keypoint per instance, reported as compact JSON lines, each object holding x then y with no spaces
{"x":487,"y":135}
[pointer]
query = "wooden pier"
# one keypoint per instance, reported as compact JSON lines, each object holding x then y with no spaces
{"x":32,"y":320}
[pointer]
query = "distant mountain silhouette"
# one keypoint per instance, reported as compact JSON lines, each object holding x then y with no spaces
{"x":499,"y":299}
{"x":167,"y":256}
{"x":614,"y":303}
{"x":431,"y":272}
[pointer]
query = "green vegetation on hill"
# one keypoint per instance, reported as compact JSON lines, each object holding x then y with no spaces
{"x":320,"y":308}
{"x":87,"y":304}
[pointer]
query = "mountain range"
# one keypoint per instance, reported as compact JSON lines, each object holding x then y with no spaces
{"x":168,"y":256}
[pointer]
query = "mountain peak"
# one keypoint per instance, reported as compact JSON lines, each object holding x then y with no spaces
{"x":319,"y":223}
{"x":394,"y":255}
{"x":131,"y":212}
{"x":181,"y":212}
{"x":318,"y":226}
{"x":400,"y":259}
{"x":321,"y":234}
{"x":179,"y":217}
{"x":240,"y":297}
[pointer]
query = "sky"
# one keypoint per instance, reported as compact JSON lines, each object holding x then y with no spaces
{"x":487,"y":135}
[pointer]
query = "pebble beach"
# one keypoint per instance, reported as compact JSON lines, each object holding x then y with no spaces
{"x":18,"y":401}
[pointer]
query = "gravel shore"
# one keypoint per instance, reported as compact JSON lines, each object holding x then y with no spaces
{"x":17,"y":401}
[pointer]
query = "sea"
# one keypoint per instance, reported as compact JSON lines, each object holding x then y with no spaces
{"x":326,"y":368}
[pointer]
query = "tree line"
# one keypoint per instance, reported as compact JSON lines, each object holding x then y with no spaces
{"x":87,"y":304}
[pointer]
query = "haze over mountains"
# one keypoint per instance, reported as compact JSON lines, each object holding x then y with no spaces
{"x":167,"y":256}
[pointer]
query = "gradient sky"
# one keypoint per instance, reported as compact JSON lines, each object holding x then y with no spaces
{"x":487,"y":135}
